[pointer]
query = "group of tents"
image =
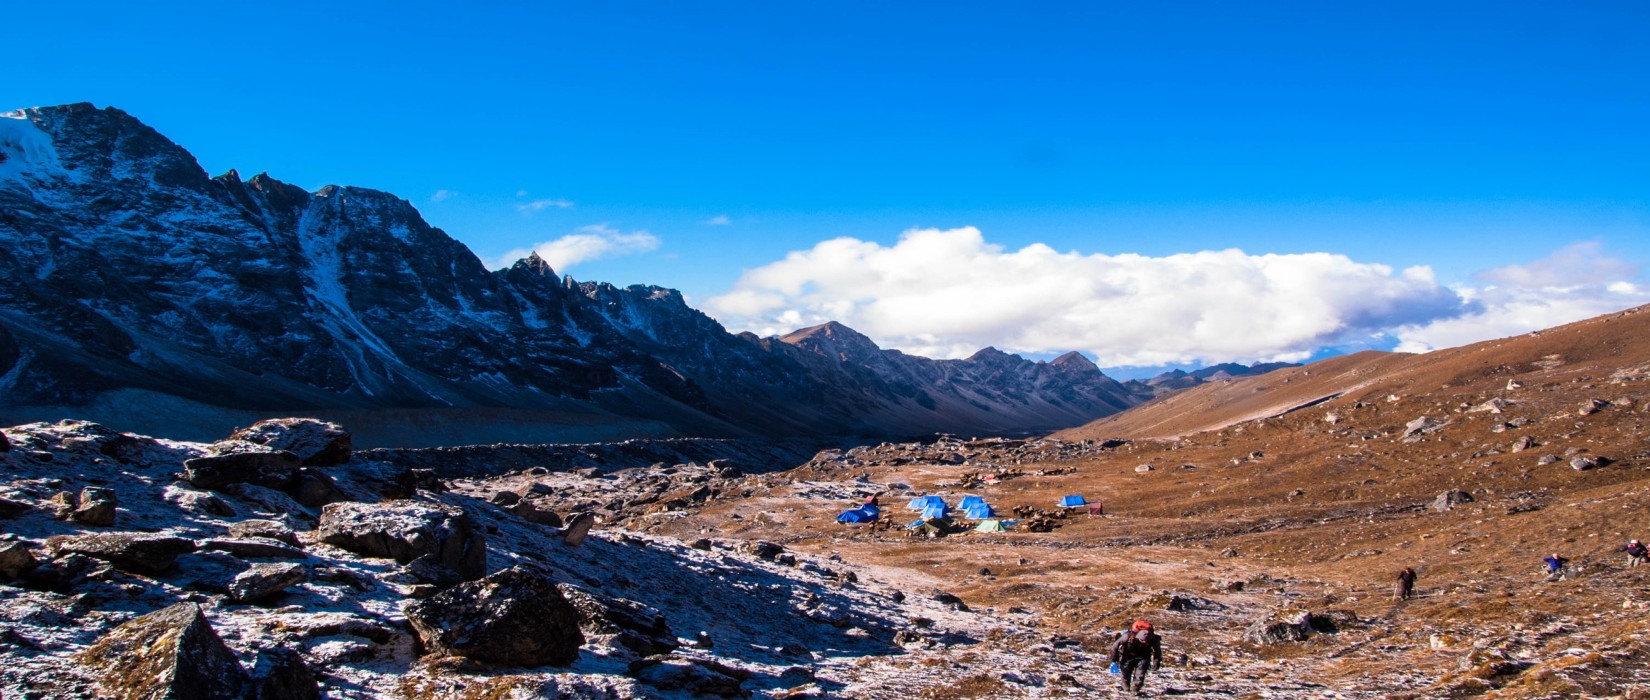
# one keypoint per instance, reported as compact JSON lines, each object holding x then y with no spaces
{"x":934,"y":508}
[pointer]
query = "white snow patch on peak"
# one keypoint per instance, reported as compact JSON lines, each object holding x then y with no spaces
{"x":24,"y":148}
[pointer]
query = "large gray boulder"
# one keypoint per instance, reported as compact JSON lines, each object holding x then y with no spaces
{"x":407,"y":530}
{"x":170,"y":653}
{"x":516,"y":617}
{"x":317,"y":443}
{"x":137,"y":552}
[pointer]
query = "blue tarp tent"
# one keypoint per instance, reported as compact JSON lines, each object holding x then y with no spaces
{"x":917,"y":503}
{"x":858,"y":515}
{"x":1072,"y":502}
{"x":970,"y":501}
{"x":933,"y":512}
{"x":978,"y":511}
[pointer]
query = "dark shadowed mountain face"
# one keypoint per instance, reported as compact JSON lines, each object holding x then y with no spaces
{"x":129,"y":271}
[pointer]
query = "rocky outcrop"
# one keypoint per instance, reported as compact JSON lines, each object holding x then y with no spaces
{"x":406,"y":530}
{"x":169,"y":653}
{"x":516,"y":617}
{"x":316,"y":443}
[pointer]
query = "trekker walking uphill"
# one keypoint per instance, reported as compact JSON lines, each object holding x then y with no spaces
{"x":1139,"y":650}
{"x":1558,"y":567}
{"x":1637,"y":553}
{"x":1406,"y":583}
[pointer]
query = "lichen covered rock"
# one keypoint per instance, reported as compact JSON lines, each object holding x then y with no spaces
{"x":407,"y":530}
{"x":516,"y":617}
{"x":169,"y":653}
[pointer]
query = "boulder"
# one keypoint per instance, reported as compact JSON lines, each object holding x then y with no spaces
{"x":10,"y":509}
{"x":694,"y":678}
{"x":1522,"y":444}
{"x":516,"y":617}
{"x":1583,"y":463}
{"x":264,"y":581}
{"x":314,"y":489}
{"x":577,"y":527}
{"x":255,"y":548}
{"x":15,"y":559}
{"x":534,"y":510}
{"x":281,"y":674}
{"x":1448,"y":500}
{"x":196,"y":501}
{"x":316,"y":443}
{"x":97,"y":507}
{"x":274,"y":469}
{"x":763,"y":549}
{"x":169,"y":653}
{"x":407,"y":530}
{"x":1414,"y":429}
{"x":270,"y":529}
{"x":136,"y":552}
{"x":637,"y":627}
{"x":951,"y":601}
{"x":1267,"y":632}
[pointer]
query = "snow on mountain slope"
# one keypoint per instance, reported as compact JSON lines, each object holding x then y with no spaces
{"x":131,"y":269}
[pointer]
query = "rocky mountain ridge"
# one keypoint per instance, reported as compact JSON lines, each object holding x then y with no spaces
{"x":200,"y":300}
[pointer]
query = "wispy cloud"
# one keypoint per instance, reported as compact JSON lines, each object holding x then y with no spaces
{"x":718,"y":220}
{"x":585,"y":243}
{"x":443,"y":195}
{"x":947,"y":293}
{"x":539,"y":205}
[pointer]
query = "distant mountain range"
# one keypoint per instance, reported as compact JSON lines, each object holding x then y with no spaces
{"x":1175,"y":380}
{"x":138,"y":291}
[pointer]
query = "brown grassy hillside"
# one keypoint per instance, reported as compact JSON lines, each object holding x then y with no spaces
{"x":1309,"y":509}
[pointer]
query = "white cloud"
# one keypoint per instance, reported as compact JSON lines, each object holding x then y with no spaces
{"x":947,"y":293}
{"x":539,"y":205}
{"x":521,"y":193}
{"x":442,"y":195}
{"x":718,"y":220}
{"x":585,"y":243}
{"x":1573,"y":283}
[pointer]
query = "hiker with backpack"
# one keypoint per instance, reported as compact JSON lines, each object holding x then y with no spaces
{"x":1139,"y":650}
{"x":1406,"y":583}
{"x":1637,"y":553}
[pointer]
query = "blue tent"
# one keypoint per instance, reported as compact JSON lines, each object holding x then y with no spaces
{"x":857,"y":515}
{"x":917,"y":503}
{"x":933,"y":512}
{"x":970,"y":501}
{"x":978,"y":511}
{"x":871,"y":510}
{"x":934,"y":501}
{"x":1072,"y":502}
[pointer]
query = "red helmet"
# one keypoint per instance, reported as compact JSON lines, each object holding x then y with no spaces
{"x":1140,"y":625}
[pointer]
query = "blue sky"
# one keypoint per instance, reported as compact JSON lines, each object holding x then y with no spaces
{"x":697,"y":145}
